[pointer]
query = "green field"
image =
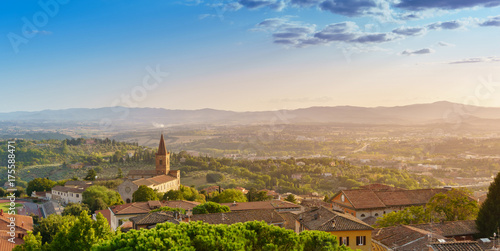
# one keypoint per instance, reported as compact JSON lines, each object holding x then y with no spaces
{"x":5,"y":206}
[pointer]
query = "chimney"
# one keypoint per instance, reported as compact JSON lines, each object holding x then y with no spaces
{"x":234,"y":203}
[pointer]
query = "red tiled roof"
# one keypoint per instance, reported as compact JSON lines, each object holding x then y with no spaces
{"x":456,"y":246}
{"x":106,"y":213}
{"x":404,"y":237}
{"x":187,"y":205}
{"x":270,"y":216}
{"x":365,"y":198}
{"x":156,"y":180}
{"x":378,"y":186}
{"x":23,"y":222}
{"x":132,"y":208}
{"x":5,"y":244}
{"x":450,"y":228}
{"x":325,"y":219}
{"x":268,"y":204}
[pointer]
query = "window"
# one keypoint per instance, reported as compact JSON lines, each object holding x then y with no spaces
{"x":342,"y":197}
{"x":362,"y":215}
{"x":376,"y":214}
{"x":161,"y":162}
{"x":77,"y":195}
{"x":344,"y":241}
{"x":360,"y":240}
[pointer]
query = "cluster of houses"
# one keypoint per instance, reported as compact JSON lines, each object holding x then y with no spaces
{"x":349,"y":214}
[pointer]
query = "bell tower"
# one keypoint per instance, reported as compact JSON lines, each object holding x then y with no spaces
{"x":162,"y":158}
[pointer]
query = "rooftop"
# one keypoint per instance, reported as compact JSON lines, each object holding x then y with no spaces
{"x":156,"y":180}
{"x":455,"y":246}
{"x":268,"y":204}
{"x":325,"y":219}
{"x":270,"y":216}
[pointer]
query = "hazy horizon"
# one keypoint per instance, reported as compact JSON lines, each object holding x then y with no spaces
{"x":248,"y":55}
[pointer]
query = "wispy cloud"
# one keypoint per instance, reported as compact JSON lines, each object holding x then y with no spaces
{"x":444,"y":44}
{"x":417,"y":52}
{"x":475,"y":60}
{"x":445,"y":4}
{"x":492,"y":21}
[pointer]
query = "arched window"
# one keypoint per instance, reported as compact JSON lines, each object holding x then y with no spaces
{"x":376,"y":214}
{"x":128,"y":200}
{"x":362,"y":215}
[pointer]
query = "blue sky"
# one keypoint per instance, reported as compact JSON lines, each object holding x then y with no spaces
{"x":248,"y":55}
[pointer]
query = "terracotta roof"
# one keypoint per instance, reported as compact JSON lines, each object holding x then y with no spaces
{"x":106,"y":213}
{"x":450,"y":228}
{"x":456,"y":246}
{"x":146,"y":207}
{"x":290,"y":219}
{"x":404,"y":237}
{"x":127,"y":225}
{"x":5,"y":244}
{"x":67,"y":189}
{"x":132,"y":208}
{"x":157,"y":217}
{"x":268,"y":204}
{"x":370,"y":220}
{"x":187,"y":205}
{"x":314,"y":203}
{"x":156,"y":180}
{"x":365,"y":198}
{"x":325,"y":219}
{"x":270,"y":216}
{"x":23,"y":223}
{"x":162,"y":149}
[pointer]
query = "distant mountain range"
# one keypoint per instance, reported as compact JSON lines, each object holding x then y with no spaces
{"x":434,"y":113}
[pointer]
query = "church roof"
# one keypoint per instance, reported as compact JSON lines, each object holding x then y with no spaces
{"x":162,"y":149}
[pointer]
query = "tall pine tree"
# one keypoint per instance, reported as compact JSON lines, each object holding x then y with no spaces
{"x":488,"y":218}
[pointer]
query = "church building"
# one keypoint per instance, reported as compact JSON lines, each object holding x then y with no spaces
{"x":161,"y":179}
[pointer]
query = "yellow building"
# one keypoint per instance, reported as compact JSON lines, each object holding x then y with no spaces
{"x":350,"y":231}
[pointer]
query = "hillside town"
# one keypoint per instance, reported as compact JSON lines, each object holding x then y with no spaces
{"x":352,"y":215}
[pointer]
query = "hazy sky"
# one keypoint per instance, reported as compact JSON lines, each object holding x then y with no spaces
{"x":248,"y":54}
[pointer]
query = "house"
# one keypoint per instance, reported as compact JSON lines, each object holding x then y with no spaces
{"x":71,"y":192}
{"x":272,"y":193}
{"x":270,"y":216}
{"x":119,"y":214}
{"x":458,"y":230}
{"x":278,"y":205}
{"x":23,"y":224}
{"x":403,"y":237}
{"x":212,"y":189}
{"x":161,"y":179}
{"x":454,"y":246}
{"x":363,"y":203}
{"x":51,"y":207}
{"x":243,"y":190}
{"x":39,"y":195}
{"x":297,"y":176}
{"x":351,"y":231}
{"x":150,"y":220}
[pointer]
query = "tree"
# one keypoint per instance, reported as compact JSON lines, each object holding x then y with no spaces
{"x":409,"y":215}
{"x":82,"y":234}
{"x":252,"y":235}
{"x":100,"y":197}
{"x":214,"y":177}
{"x":40,"y":185}
{"x":144,"y":193}
{"x":31,"y":243}
{"x":91,"y":174}
{"x":488,"y":218}
{"x":168,"y":209}
{"x":184,"y":193}
{"x":291,"y":198}
{"x":120,"y":173}
{"x":50,"y":226}
{"x":453,"y":205}
{"x":230,"y":195}
{"x":75,"y":209}
{"x":210,"y":208}
{"x":254,"y":195}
